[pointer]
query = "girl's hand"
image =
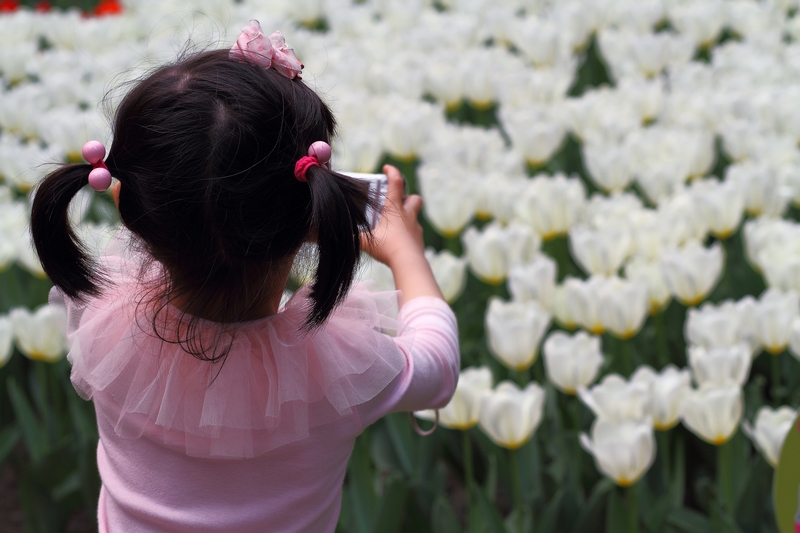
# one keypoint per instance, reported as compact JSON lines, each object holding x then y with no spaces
{"x":397,"y":241}
{"x":399,"y":232}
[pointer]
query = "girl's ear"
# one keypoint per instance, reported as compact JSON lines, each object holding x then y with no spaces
{"x":115,"y":193}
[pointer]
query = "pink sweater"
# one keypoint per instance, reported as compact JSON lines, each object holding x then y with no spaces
{"x":263,"y":445}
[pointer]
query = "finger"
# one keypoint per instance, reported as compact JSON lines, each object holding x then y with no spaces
{"x":395,"y":190}
{"x":413,"y":204}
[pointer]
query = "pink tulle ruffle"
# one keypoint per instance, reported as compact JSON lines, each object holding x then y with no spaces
{"x":277,"y":382}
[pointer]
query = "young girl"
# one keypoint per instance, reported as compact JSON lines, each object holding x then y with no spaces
{"x":217,"y":410}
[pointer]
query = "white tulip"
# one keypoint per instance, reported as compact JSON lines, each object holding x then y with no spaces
{"x":449,"y":271}
{"x":667,"y":392}
{"x":600,"y":251}
{"x":647,"y":95}
{"x":486,"y":253}
{"x":96,"y":237}
{"x":13,"y":227}
{"x":794,"y":339}
{"x":616,"y":399}
{"x":479,"y":83}
{"x":721,"y":204}
{"x":562,"y":310}
{"x":609,"y":166}
{"x":649,"y":274}
{"x":622,"y":450}
{"x":624,"y":307}
{"x":493,"y":250}
{"x":691,"y":272}
{"x":768,"y":234}
{"x":701,"y":20}
{"x":656,"y":231}
{"x":407,"y":124}
{"x":6,"y":340}
{"x":774,"y":314}
{"x":621,"y":209}
{"x":720,"y":366}
{"x":510,"y":416}
{"x":682,"y":214}
{"x":640,"y":16}
{"x":527,"y":88}
{"x":450,"y":203}
{"x":458,"y":149}
{"x":551,"y":205}
{"x":720,"y":325}
{"x":538,"y":39}
{"x":514,"y":331}
{"x":462,"y":411}
{"x":781,"y":266}
{"x":358,"y":151}
{"x":444,"y":77}
{"x":40,"y":335}
{"x":370,"y":269}
{"x":601,"y":116}
{"x":534,"y":281}
{"x":572,"y":361}
{"x":499,"y":197}
{"x":713,"y":412}
{"x":537,"y":131}
{"x":27,"y":257}
{"x":763,"y":192}
{"x":523,"y":244}
{"x":771,"y":428}
{"x":583,"y":297}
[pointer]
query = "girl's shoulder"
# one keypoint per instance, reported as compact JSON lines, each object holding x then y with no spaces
{"x":277,"y":382}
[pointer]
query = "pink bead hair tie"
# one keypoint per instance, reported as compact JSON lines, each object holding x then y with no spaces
{"x":99,"y":178}
{"x":319,"y":153}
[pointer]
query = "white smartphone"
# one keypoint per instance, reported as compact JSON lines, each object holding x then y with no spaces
{"x":378,"y":186}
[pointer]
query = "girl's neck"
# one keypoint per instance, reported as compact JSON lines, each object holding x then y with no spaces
{"x":266,"y":301}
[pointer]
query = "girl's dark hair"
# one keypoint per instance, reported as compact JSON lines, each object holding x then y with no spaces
{"x":205,"y":150}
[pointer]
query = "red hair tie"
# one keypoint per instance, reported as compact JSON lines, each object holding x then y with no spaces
{"x":319,"y":153}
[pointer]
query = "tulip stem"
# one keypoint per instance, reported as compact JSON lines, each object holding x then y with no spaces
{"x":517,"y":481}
{"x":776,"y":378}
{"x":558,"y":249}
{"x":662,"y":441}
{"x":576,"y":415}
{"x":724,"y":476}
{"x":661,"y":339}
{"x":627,"y":357}
{"x":44,"y":385}
{"x":633,"y":508}
{"x":453,"y":245}
{"x":466,"y":444}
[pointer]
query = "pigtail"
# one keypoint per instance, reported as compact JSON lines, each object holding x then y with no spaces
{"x":62,"y":254}
{"x":338,"y":217}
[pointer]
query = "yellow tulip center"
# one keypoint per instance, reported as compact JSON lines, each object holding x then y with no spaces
{"x":693,"y":301}
{"x":597,"y":329}
{"x":775,"y":350}
{"x":37,"y":356}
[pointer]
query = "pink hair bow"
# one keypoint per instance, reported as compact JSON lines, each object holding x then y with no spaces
{"x":268,"y":52}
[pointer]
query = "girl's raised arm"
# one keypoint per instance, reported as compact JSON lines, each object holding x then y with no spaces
{"x":397,"y":242}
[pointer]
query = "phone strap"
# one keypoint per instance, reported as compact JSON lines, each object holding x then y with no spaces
{"x":424,"y":432}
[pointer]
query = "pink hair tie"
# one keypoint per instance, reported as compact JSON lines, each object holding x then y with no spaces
{"x":99,"y":178}
{"x":319,"y":153}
